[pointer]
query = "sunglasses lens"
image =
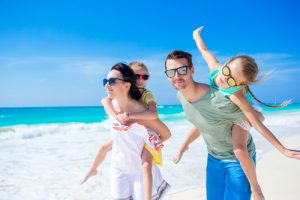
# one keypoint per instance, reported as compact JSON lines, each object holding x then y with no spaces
{"x":170,"y":73}
{"x":137,"y":76}
{"x":145,"y":77}
{"x":226,"y":71}
{"x":231,"y":82}
{"x":110,"y":81}
{"x":105,"y":82}
{"x":182,"y":70}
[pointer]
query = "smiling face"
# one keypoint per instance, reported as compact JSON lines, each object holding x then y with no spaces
{"x":236,"y":73}
{"x":140,"y":82}
{"x":180,"y":81}
{"x":119,"y":88}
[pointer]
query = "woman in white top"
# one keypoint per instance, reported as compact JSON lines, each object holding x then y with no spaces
{"x":128,"y":140}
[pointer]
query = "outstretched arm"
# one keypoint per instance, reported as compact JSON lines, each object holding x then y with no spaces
{"x":191,"y":137}
{"x":240,"y":100}
{"x":209,"y":58}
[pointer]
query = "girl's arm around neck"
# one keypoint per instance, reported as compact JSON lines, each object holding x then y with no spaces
{"x":157,"y":126}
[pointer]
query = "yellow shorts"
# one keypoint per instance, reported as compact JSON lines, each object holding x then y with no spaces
{"x":156,"y":154}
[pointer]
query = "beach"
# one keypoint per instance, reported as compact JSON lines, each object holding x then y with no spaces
{"x":48,"y":160}
{"x":278,"y":176}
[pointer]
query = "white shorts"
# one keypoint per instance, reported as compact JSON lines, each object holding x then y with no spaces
{"x":126,"y":186}
{"x":130,"y":186}
{"x":244,"y":124}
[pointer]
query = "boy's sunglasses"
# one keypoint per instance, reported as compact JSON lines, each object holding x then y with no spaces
{"x":230,"y":80}
{"x":142,"y":76}
{"x":180,"y":71}
{"x":111,"y":81}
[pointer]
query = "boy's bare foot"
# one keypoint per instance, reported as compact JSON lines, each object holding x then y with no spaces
{"x":89,"y":174}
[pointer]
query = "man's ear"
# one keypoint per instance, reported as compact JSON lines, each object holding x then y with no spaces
{"x":192,"y":69}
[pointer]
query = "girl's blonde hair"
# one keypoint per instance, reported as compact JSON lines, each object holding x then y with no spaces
{"x":139,"y":65}
{"x":250,"y":71}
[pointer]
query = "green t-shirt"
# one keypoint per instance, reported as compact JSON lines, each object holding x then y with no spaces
{"x":213,"y":115}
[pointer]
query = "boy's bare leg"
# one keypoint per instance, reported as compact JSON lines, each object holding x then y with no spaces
{"x":147,"y":173}
{"x":104,"y":148}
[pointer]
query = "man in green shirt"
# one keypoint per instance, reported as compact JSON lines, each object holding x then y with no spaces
{"x":213,"y":114}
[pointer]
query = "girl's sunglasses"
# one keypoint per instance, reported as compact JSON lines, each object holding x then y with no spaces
{"x":180,"y":70}
{"x":230,"y":80}
{"x":142,"y":76}
{"x":111,"y":81}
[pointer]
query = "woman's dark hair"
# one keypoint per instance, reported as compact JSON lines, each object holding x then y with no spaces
{"x":128,"y":76}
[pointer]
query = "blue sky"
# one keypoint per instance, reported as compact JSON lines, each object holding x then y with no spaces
{"x":56,"y":53}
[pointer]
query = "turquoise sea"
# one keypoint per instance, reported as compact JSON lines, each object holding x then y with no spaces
{"x":47,"y":115}
{"x":45,"y":152}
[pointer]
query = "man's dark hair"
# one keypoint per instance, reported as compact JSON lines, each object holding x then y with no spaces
{"x":177,"y":54}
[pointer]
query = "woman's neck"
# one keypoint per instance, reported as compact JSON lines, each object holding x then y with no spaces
{"x":124,"y":104}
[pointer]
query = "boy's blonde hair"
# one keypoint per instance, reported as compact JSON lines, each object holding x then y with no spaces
{"x":138,"y":65}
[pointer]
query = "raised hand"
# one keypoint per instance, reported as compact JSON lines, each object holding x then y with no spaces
{"x":196,"y":32}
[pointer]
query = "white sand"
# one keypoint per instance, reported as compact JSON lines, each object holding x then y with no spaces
{"x":279,"y":176}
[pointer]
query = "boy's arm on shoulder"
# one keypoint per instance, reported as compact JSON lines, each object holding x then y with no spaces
{"x":157,"y":126}
{"x":108,"y":106}
{"x":149,"y":114}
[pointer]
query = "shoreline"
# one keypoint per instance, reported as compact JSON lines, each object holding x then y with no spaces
{"x":278,"y":175}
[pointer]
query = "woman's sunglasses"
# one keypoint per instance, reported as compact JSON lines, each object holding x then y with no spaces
{"x":180,"y":70}
{"x":142,"y":76}
{"x":111,"y":81}
{"x":230,"y":80}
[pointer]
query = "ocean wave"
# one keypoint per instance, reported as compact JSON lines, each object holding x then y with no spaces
{"x":291,"y":119}
{"x":172,"y":117}
{"x":33,"y":131}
